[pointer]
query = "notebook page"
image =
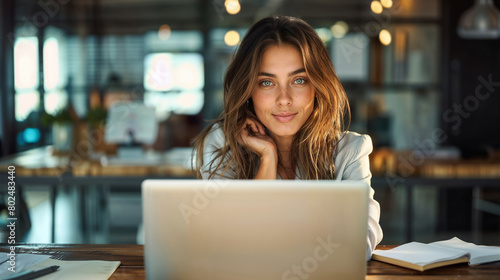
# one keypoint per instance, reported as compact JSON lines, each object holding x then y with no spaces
{"x":78,"y":270}
{"x":421,"y":254}
{"x":22,"y":261}
{"x":478,"y":253}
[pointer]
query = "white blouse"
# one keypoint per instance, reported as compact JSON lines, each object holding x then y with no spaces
{"x":351,"y":163}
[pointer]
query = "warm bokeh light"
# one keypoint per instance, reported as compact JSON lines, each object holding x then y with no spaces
{"x":339,"y":29}
{"x":324,"y":34}
{"x":232,"y":38}
{"x":386,"y":3}
{"x":232,"y":6}
{"x":385,"y":37}
{"x":164,"y":32}
{"x":376,"y":7}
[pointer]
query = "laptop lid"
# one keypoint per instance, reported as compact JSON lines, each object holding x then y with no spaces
{"x":255,"y":229}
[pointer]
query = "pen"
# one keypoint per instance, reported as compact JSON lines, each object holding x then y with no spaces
{"x":32,"y":274}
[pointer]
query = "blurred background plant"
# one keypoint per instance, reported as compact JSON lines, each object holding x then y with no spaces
{"x":96,"y":116}
{"x":61,"y":117}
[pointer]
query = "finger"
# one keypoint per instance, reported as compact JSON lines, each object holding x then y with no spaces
{"x":257,"y":127}
{"x":246,"y":140}
{"x":245,"y":130}
{"x":261,"y":129}
{"x":244,"y":133}
{"x":253,"y":125}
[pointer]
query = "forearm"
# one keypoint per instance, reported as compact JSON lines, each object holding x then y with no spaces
{"x":268,"y":168}
{"x":375,"y":233}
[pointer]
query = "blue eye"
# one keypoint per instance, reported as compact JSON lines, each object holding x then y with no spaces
{"x":266,"y":83}
{"x":300,"y":81}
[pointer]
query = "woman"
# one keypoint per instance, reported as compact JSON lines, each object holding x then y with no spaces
{"x":283,"y":115}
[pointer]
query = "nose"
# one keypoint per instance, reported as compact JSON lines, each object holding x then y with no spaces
{"x":284,"y":98}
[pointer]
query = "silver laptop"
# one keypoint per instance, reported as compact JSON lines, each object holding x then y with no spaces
{"x":254,"y":229}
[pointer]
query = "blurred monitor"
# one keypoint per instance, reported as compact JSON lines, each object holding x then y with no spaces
{"x":131,"y":122}
{"x":173,"y":72}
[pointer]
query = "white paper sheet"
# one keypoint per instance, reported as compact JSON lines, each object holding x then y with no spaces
{"x":78,"y":270}
{"x":22,"y":261}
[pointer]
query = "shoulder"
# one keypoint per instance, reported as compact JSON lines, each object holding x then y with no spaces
{"x":352,"y":143}
{"x":351,"y":157}
{"x":352,"y":147}
{"x":215,"y":138}
{"x":213,"y":163}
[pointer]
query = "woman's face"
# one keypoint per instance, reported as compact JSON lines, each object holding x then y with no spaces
{"x":284,"y":97}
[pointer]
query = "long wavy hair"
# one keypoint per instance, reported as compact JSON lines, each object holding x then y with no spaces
{"x":313,"y":146}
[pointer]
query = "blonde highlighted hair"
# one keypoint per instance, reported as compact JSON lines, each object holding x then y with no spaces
{"x":313,"y":145}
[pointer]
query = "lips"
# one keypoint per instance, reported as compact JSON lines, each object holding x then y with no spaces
{"x":284,"y":117}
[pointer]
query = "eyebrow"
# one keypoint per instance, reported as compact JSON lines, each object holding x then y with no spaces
{"x":289,"y":74}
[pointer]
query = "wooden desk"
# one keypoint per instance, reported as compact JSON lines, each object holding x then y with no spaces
{"x":42,"y":163}
{"x":132,"y":263}
{"x":41,"y":166}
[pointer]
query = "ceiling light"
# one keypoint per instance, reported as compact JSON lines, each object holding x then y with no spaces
{"x":324,"y":34}
{"x":480,"y":22}
{"x":339,"y":29}
{"x":376,"y":7}
{"x":386,"y":3}
{"x":164,"y":32}
{"x":232,"y":6}
{"x":385,"y":37}
{"x":232,"y":38}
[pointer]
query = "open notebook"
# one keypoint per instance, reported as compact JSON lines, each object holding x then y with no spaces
{"x":420,"y":256}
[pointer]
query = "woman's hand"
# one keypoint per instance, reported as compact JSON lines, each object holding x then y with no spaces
{"x":253,"y":136}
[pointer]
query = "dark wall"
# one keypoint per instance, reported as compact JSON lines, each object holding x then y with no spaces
{"x":472,"y":121}
{"x":471,"y":117}
{"x":7,"y":119}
